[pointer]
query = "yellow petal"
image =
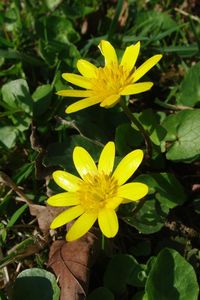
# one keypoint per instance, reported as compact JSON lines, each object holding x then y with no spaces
{"x":108,"y":52}
{"x":108,"y":222}
{"x":81,"y":226}
{"x":64,"y":199}
{"x":66,"y":181}
{"x":146,"y":66}
{"x":77,"y":80}
{"x":113,"y":202}
{"x":84,"y":103}
{"x":86,"y":69}
{"x":83,"y":162}
{"x":67,"y":216}
{"x":75,"y":93}
{"x":127,"y":166}
{"x":110,"y":101}
{"x":107,"y":158}
{"x":136,"y":88}
{"x":132,"y":191}
{"x":130,"y":56}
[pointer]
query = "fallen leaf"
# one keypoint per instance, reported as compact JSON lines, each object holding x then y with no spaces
{"x":71,"y":263}
{"x":45,"y":215}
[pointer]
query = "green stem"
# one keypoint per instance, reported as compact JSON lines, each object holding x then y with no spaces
{"x":102,"y":242}
{"x":137,"y":123}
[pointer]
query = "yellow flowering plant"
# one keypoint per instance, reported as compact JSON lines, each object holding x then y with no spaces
{"x":106,"y":85}
{"x":100,"y":190}
{"x":98,"y":193}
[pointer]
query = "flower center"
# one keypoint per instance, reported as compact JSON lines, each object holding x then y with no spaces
{"x":96,"y":191}
{"x":111,"y":79}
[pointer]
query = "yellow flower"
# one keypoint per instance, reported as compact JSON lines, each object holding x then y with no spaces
{"x":98,"y":193}
{"x":106,"y":85}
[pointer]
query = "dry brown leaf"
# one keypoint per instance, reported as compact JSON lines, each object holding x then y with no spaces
{"x":71,"y":262}
{"x":45,"y":215}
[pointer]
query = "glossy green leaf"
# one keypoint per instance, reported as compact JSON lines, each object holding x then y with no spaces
{"x":127,"y":138}
{"x":8,"y":136}
{"x":123,"y":269}
{"x":42,"y":99}
{"x":149,"y":218}
{"x":52,"y":4}
{"x":171,"y":277}
{"x":189,"y":93}
{"x":60,"y":154}
{"x":165,"y":188}
{"x":16,"y":96}
{"x":183,"y":135}
{"x":17,"y":215}
{"x":35,"y":284}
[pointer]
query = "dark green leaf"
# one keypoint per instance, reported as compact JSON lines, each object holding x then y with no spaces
{"x":189,"y":94}
{"x":8,"y":136}
{"x":16,"y":96}
{"x":127,"y":138}
{"x":42,"y":99}
{"x":123,"y":269}
{"x":165,"y":187}
{"x":60,"y":154}
{"x":17,"y":215}
{"x":150,"y":218}
{"x":101,"y":293}
{"x":32,"y":284}
{"x":183,"y":133}
{"x":171,"y":277}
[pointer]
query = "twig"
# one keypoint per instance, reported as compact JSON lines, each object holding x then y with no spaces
{"x":171,"y":106}
{"x":184,"y":13}
{"x":5,"y":179}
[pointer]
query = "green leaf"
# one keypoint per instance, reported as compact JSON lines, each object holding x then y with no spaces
{"x":17,"y":215}
{"x":42,"y":99}
{"x":171,"y":277}
{"x":150,"y":217}
{"x":101,"y":293}
{"x":57,"y":29}
{"x":28,"y":59}
{"x":57,"y":154}
{"x":16,"y":96}
{"x":165,"y":188}
{"x":123,"y":269}
{"x":151,"y":122}
{"x":52,"y":4}
{"x":60,"y":154}
{"x":184,"y":51}
{"x":189,"y":94}
{"x":139,"y":296}
{"x":35,"y":284}
{"x":8,"y":136}
{"x":23,"y":172}
{"x":148,"y":20}
{"x":183,"y":135}
{"x":127,"y":138}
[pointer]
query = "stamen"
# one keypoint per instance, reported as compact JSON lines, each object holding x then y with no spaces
{"x":111,"y":80}
{"x":96,"y":191}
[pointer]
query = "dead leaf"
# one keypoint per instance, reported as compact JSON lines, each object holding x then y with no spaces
{"x":71,"y":263}
{"x":45,"y":215}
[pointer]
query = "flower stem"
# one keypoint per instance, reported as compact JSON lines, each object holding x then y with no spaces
{"x":137,"y":123}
